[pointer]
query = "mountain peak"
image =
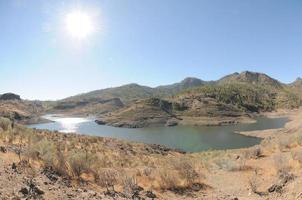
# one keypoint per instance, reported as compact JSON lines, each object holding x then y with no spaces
{"x":251,"y":77}
{"x":297,"y":82}
{"x":299,"y":79}
{"x":191,"y":81}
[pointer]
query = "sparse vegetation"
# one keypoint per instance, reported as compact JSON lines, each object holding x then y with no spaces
{"x":91,"y":159}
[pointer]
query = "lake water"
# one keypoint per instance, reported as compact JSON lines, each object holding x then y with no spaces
{"x":187,"y":138}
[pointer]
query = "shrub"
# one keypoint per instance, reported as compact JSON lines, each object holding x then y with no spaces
{"x":77,"y":162}
{"x":255,"y":153}
{"x":281,"y":163}
{"x":286,"y":143}
{"x":5,"y":124}
{"x":186,"y":171}
{"x":108,"y":178}
{"x":43,"y":150}
{"x":226,"y":164}
{"x":297,"y":155}
{"x":254,"y":185}
{"x":168,"y":180}
{"x":130,"y":186}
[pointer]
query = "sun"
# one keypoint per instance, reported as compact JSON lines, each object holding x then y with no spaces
{"x":79,"y":24}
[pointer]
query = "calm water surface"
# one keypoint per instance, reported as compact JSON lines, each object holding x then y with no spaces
{"x":186,"y":138}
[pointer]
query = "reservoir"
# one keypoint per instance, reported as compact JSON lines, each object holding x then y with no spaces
{"x":187,"y":138}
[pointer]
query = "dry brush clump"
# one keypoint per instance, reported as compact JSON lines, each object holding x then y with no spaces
{"x":232,"y":165}
{"x":180,"y":175}
{"x":108,"y":178}
{"x":254,"y":183}
{"x":253,"y":152}
{"x":281,"y":164}
{"x":297,"y":155}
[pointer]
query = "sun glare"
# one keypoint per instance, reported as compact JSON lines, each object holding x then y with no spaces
{"x":79,"y":24}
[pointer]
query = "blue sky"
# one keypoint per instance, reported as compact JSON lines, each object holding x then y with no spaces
{"x":150,"y":42}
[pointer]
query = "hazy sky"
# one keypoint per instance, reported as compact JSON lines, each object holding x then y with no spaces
{"x":150,"y":42}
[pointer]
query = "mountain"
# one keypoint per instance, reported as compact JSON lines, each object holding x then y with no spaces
{"x":297,"y":83}
{"x":169,"y":90}
{"x":132,"y":92}
{"x":126,"y":93}
{"x":233,"y":95}
{"x":227,"y":100}
{"x":110,"y":99}
{"x":251,"y":78}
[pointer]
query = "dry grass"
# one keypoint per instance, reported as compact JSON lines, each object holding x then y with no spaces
{"x":111,"y":164}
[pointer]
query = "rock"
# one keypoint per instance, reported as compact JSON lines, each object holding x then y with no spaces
{"x":38,"y":191}
{"x":151,"y":195}
{"x":171,"y":123}
{"x":196,"y":187}
{"x":50,"y":174}
{"x":24,"y":191}
{"x":14,"y":166}
{"x":3,"y":149}
{"x":275,"y":188}
{"x":100,"y":122}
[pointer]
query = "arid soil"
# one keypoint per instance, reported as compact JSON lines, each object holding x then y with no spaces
{"x":271,"y":170}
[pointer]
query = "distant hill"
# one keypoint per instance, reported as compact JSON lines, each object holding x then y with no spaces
{"x":126,"y":93}
{"x":233,"y":97}
{"x":246,"y":91}
{"x":297,"y":83}
{"x":100,"y":101}
{"x":9,"y":96}
{"x":187,"y":83}
{"x":251,"y":78}
{"x":132,"y":92}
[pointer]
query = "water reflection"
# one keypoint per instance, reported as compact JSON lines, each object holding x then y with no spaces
{"x":67,"y":124}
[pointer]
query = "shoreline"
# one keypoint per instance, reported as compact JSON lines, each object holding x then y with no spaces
{"x":264,"y":134}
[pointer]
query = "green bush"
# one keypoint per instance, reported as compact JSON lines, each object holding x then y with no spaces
{"x":5,"y":124}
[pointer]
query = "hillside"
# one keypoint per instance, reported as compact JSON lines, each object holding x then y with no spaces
{"x":254,"y":78}
{"x":140,"y":114}
{"x":230,"y":100}
{"x":173,"y":89}
{"x":13,"y":107}
{"x":132,"y":92}
{"x":297,"y":83}
{"x":96,"y":102}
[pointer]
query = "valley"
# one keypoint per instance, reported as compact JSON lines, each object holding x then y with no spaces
{"x":182,"y":141}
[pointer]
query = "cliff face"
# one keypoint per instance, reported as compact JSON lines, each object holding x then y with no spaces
{"x":13,"y":107}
